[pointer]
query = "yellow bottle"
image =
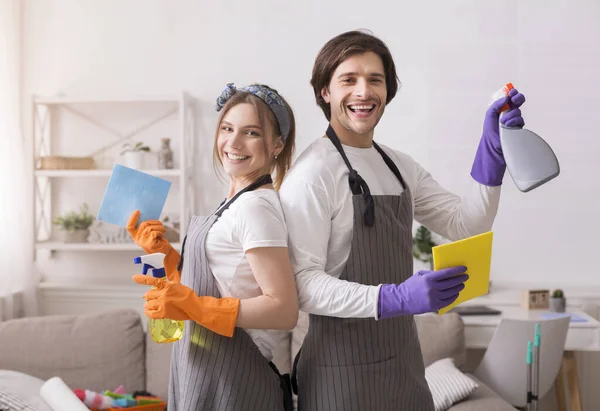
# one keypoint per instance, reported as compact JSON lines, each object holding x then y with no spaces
{"x":162,"y":330}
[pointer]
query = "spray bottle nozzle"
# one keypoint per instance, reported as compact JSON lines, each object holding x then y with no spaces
{"x":152,"y":261}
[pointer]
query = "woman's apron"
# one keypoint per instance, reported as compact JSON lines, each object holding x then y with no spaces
{"x":211,"y":372}
{"x":361,"y":363}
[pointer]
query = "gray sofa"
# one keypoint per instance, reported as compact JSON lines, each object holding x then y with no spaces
{"x":103,"y":351}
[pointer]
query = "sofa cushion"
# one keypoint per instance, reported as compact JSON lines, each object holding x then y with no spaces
{"x":441,"y":336}
{"x":92,"y":351}
{"x":20,"y":391}
{"x":448,"y":385}
{"x":483,"y":398}
{"x":158,"y":367}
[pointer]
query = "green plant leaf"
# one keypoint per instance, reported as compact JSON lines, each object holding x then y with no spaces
{"x":423,"y":244}
{"x":73,"y":221}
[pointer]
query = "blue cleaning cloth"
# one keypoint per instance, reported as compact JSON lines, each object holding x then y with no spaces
{"x":129,"y":190}
{"x":574,"y":317}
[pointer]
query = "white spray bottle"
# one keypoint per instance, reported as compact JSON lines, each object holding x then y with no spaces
{"x":162,"y":330}
{"x":530,"y":161}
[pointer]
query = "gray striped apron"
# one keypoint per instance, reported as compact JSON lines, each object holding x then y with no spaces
{"x":211,"y":372}
{"x":360,"y":363}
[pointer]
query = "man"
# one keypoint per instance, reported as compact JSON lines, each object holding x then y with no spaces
{"x":349,"y":204}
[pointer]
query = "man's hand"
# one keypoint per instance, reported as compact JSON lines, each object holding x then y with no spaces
{"x":425,"y":291}
{"x":489,"y":165}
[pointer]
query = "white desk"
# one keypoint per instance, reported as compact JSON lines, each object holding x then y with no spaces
{"x":582,"y":336}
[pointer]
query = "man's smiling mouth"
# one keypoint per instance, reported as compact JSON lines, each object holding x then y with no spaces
{"x":361,"y":108}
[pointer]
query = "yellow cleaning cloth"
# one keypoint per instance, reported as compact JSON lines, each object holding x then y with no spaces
{"x":473,"y":252}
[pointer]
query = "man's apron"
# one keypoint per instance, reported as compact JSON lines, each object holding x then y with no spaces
{"x":211,"y":372}
{"x":360,"y":363}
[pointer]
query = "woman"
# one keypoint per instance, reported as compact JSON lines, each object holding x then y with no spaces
{"x":234,"y":280}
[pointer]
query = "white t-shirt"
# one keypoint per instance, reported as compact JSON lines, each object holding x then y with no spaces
{"x":317,"y":204}
{"x":254,"y":219}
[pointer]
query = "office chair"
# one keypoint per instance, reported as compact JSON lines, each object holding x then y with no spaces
{"x":503,"y":367}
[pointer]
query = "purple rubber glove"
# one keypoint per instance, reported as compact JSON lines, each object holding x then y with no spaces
{"x":489,"y":166}
{"x":424,"y":292}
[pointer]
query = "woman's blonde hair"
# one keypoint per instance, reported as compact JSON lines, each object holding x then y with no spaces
{"x":270,"y":128}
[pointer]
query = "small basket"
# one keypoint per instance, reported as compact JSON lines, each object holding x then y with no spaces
{"x":66,"y":163}
{"x":159,"y":406}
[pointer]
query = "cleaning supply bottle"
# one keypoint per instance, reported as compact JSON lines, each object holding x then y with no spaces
{"x":162,"y":330}
{"x":530,"y":161}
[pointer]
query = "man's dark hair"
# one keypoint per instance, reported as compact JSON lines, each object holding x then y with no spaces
{"x":338,"y":49}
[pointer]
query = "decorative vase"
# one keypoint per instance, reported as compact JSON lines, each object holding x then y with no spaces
{"x":77,"y":236}
{"x":558,"y":305}
{"x":165,"y":155}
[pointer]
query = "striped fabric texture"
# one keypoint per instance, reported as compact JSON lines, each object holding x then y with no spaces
{"x":448,"y":384}
{"x":211,"y":372}
{"x":359,"y":363}
{"x":10,"y":402}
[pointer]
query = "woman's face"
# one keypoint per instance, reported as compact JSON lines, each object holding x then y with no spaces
{"x":243,"y":147}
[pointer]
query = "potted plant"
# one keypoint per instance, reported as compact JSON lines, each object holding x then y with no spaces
{"x":135,"y":155}
{"x":74,"y":226}
{"x":422,"y":245}
{"x":558,"y":302}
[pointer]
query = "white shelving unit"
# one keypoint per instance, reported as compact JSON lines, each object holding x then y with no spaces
{"x":99,"y":173}
{"x":61,"y":246}
{"x":43,"y":111}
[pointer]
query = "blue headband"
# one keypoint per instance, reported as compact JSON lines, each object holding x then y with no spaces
{"x":269,"y":96}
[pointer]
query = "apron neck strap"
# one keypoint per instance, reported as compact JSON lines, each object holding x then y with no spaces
{"x":391,"y":165}
{"x":336,"y":142}
{"x":265,"y":179}
{"x":357,"y":184}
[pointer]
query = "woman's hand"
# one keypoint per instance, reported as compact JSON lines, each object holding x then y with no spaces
{"x":150,"y":235}
{"x":177,"y":302}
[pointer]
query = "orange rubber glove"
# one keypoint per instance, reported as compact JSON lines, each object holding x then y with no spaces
{"x":178,"y":302}
{"x":150,"y":236}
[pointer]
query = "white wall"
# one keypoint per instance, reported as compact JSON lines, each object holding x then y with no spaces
{"x":450,"y":55}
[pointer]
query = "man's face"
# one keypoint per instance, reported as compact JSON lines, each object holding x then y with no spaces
{"x":357,"y":93}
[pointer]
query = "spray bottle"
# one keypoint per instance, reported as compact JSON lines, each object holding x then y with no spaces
{"x":162,"y":330}
{"x":530,"y":161}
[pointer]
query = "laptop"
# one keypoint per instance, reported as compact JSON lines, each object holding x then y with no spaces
{"x":475,"y":310}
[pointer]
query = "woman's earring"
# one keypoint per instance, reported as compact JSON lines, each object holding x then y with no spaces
{"x":275,"y":156}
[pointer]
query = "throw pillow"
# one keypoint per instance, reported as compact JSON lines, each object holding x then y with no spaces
{"x":20,"y":391}
{"x":448,"y":384}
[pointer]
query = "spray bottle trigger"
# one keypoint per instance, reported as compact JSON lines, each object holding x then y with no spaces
{"x":145,"y":268}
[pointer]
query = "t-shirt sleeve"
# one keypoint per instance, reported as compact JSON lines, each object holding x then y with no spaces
{"x":259,"y":223}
